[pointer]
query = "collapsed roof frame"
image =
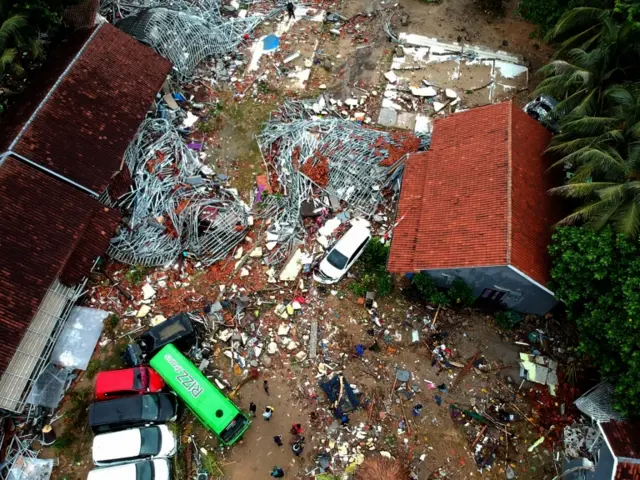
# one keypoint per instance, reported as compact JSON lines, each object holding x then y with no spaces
{"x":173,"y":209}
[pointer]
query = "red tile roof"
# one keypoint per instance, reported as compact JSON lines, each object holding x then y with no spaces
{"x":478,"y":197}
{"x":624,"y":438}
{"x":627,"y":471}
{"x":84,"y":127}
{"x":46,"y":226}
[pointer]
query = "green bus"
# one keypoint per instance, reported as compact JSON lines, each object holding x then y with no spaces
{"x":214,"y":410}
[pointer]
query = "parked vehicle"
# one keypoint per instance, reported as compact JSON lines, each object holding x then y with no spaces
{"x":540,"y":108}
{"x":214,"y":410}
{"x":128,"y":381}
{"x":144,"y":443}
{"x":178,"y":330}
{"x":342,"y":255}
{"x":129,"y":412}
{"x":158,"y":469}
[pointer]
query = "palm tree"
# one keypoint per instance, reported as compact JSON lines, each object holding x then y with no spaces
{"x":16,"y":36}
{"x":604,"y":154}
{"x":597,"y":49}
{"x":577,"y":81}
{"x":582,"y":27}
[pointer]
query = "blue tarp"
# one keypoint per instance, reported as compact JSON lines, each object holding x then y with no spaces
{"x":348,"y":402}
{"x":271,"y":42}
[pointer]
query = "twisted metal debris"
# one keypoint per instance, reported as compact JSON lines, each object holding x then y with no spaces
{"x":184,"y":32}
{"x":173,"y":209}
{"x":341,"y":157}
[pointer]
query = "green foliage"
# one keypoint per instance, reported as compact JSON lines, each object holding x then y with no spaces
{"x":136,"y":275}
{"x":375,"y":277}
{"x":594,"y":78}
{"x":459,"y":294}
{"x":375,"y":255}
{"x":21,"y":27}
{"x":597,"y":275}
{"x":110,"y":325}
{"x":508,"y":319}
{"x":93,"y":368}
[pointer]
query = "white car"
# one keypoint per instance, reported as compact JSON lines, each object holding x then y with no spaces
{"x":134,"y":444}
{"x":158,"y":469}
{"x":342,"y":255}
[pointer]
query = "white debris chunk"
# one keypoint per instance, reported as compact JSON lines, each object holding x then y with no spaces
{"x":437,"y":106}
{"x":256,"y":252}
{"x":451,"y":94}
{"x":144,"y":310}
{"x":147,"y":291}
{"x":424,"y":91}
{"x":391,"y":76}
{"x":291,"y":58}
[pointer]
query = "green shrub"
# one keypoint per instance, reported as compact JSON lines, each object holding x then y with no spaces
{"x":459,"y":294}
{"x":136,"y":275}
{"x":597,"y":276}
{"x":507,"y":319}
{"x":375,"y":255}
{"x":93,"y":368}
{"x":373,"y":264}
{"x":110,"y":325}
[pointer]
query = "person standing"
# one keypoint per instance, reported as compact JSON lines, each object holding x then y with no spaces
{"x":277,"y":472}
{"x":297,"y":448}
{"x":252,"y":409}
{"x":278,"y":440}
{"x":291,"y":10}
{"x":265,"y":384}
{"x":267,"y":413}
{"x":296,"y":429}
{"x":417,"y":409}
{"x":344,"y":420}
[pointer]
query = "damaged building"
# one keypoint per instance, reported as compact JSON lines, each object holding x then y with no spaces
{"x":63,"y":153}
{"x":476,"y":207}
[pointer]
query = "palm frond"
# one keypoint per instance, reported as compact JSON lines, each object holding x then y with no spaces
{"x":11,"y":27}
{"x":627,"y":217}
{"x":576,"y":18}
{"x":581,"y":190}
{"x":7,"y":57}
{"x":590,"y":126}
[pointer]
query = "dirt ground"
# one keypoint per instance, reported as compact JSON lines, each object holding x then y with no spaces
{"x":434,"y":440}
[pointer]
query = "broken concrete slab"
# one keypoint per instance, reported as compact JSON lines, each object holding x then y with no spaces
{"x":391,"y":76}
{"x":424,"y":92}
{"x":388,"y":117}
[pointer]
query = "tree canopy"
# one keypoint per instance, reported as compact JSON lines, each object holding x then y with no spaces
{"x":597,"y":275}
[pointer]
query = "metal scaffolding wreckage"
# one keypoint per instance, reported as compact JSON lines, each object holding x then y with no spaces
{"x":344,"y":159}
{"x":174,"y":209}
{"x":184,"y":32}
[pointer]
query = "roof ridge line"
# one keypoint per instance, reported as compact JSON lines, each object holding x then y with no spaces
{"x":509,"y":179}
{"x":53,"y":88}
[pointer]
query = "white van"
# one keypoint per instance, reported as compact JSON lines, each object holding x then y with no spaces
{"x":158,"y":469}
{"x":134,"y":444}
{"x":342,"y":255}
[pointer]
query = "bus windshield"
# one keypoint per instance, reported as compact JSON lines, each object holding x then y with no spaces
{"x":214,"y":410}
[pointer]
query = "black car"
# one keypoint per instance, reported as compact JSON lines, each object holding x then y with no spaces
{"x":129,"y":412}
{"x":178,"y":330}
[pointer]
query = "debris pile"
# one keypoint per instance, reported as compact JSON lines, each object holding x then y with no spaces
{"x":187,"y":32}
{"x":174,"y":207}
{"x":306,"y":155}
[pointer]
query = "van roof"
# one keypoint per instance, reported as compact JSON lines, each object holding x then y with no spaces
{"x":352,"y":238}
{"x":109,"y":446}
